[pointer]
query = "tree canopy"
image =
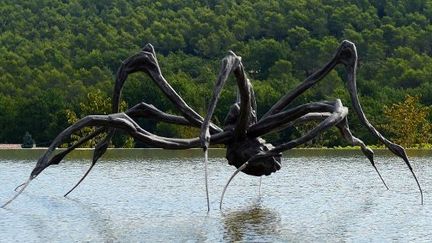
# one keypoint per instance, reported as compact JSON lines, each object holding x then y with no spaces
{"x":53,"y":53}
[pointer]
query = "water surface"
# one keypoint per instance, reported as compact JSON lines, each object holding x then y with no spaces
{"x":159,"y":196}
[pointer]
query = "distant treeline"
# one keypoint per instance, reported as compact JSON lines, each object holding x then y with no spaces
{"x":53,"y":53}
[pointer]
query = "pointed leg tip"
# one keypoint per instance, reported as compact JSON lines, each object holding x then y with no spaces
{"x":385,"y":185}
{"x":18,"y":187}
{"x":71,"y":190}
{"x":24,"y":186}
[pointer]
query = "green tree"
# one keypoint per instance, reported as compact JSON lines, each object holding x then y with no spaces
{"x":28,"y":141}
{"x":53,"y":53}
{"x":407,"y":122}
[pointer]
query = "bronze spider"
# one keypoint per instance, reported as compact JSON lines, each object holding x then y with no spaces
{"x":242,"y":130}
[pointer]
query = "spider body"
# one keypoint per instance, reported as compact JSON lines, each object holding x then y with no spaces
{"x":241,"y":150}
{"x":242,"y":130}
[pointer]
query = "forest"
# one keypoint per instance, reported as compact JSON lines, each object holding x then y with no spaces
{"x":58,"y":60}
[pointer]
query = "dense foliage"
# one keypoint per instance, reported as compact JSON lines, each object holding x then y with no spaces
{"x":54,"y":52}
{"x":409,"y":125}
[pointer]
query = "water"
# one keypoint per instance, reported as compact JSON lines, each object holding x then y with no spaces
{"x":159,"y":196}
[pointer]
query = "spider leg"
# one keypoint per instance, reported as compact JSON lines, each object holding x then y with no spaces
{"x":346,"y":55}
{"x":346,"y":134}
{"x":349,"y":60}
{"x":146,"y":61}
{"x":122,"y":122}
{"x":301,"y":88}
{"x":56,"y":159}
{"x":119,"y":121}
{"x":282,"y":119}
{"x":140,"y":110}
{"x":230,"y":64}
{"x":338,"y":113}
{"x":149,"y":111}
{"x":341,"y":56}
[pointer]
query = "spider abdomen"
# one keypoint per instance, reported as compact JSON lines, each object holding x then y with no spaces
{"x":238,"y":152}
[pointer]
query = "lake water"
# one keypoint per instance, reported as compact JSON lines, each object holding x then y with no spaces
{"x":159,"y":196}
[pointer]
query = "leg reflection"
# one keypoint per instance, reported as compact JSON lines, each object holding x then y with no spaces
{"x":255,"y":223}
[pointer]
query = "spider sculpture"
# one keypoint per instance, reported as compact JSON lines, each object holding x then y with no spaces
{"x":242,"y":130}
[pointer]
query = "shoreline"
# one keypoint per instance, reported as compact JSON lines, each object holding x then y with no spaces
{"x":311,"y":148}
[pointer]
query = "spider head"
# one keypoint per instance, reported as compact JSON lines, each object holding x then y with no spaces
{"x":239,"y":152}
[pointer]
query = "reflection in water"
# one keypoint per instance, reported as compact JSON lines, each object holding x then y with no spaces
{"x":251,"y":223}
{"x":98,"y":221}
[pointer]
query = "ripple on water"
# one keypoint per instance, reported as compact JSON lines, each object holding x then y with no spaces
{"x":312,"y":198}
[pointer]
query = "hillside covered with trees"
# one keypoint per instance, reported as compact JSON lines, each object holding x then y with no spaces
{"x":54,"y":53}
